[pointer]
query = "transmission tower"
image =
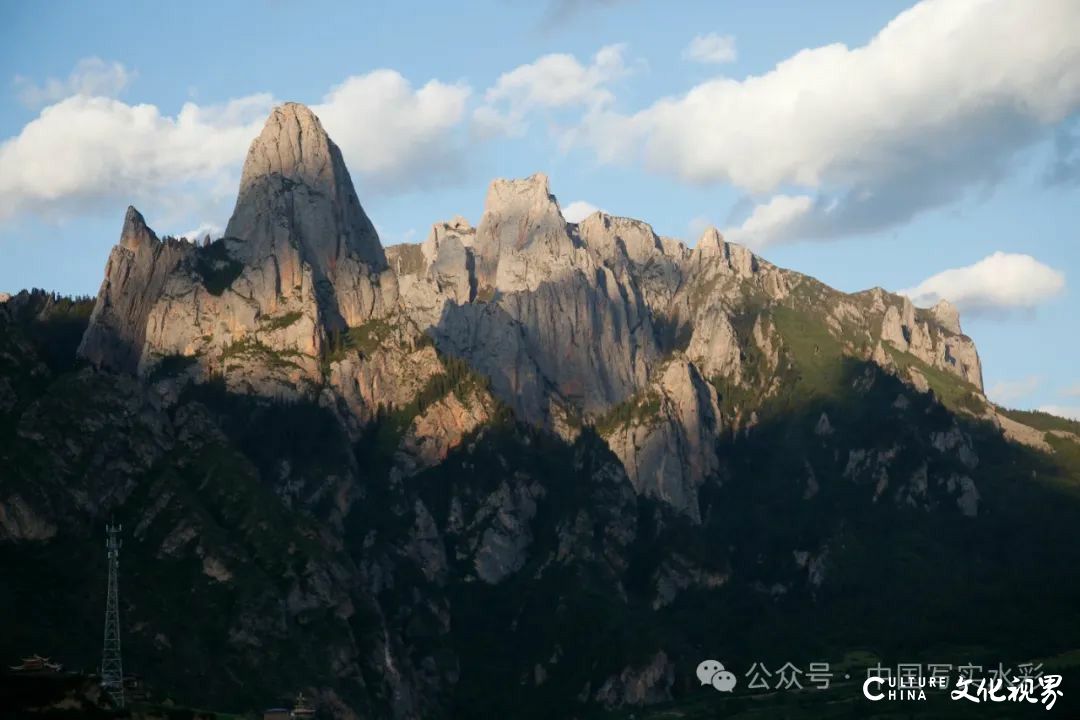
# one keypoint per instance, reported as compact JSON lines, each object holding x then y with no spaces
{"x":112,"y":672}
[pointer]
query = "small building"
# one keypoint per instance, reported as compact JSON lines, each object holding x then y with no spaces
{"x":36,"y":663}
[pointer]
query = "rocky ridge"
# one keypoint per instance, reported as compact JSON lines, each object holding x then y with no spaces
{"x":567,"y":321}
{"x":529,"y":454}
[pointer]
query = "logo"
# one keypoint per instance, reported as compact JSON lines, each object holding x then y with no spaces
{"x":712,"y":672}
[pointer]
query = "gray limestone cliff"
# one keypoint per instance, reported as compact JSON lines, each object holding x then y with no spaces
{"x":300,"y":259}
{"x":297,"y":212}
{"x":135,"y":275}
{"x":560,"y":334}
{"x":570,"y":323}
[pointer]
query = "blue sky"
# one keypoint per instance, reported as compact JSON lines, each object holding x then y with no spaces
{"x":930,"y":147}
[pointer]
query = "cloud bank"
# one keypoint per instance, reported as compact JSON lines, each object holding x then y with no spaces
{"x":551,"y":82}
{"x":938,"y":102}
{"x":86,"y":149}
{"x":832,"y":141}
{"x":998,"y":283}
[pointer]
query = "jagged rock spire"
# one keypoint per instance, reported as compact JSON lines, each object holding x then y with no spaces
{"x":711,"y":242}
{"x":521,"y":218}
{"x":135,"y":275}
{"x":295,"y":173}
{"x":947,"y":316}
{"x":135,"y":232}
{"x":297,"y":215}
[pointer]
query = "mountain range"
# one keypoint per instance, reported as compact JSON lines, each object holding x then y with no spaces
{"x":530,"y":468}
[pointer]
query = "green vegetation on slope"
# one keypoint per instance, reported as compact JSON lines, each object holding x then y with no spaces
{"x":1043,"y":421}
{"x":273,"y":323}
{"x":365,"y":339}
{"x":251,"y":348}
{"x":216,"y":267}
{"x":640,"y":408}
{"x":384,"y":433}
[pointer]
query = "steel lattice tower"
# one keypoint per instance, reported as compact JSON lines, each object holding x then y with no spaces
{"x":112,"y":672}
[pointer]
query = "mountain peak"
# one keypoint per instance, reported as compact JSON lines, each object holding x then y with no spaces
{"x":711,"y":242}
{"x":135,"y":233}
{"x":521,"y":217}
{"x":947,"y":315}
{"x":292,"y":144}
{"x":508,"y":194}
{"x":295,"y":177}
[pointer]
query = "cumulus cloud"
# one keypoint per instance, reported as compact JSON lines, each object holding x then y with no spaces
{"x":938,"y":102}
{"x":998,"y":283}
{"x":91,"y":76}
{"x":711,"y":48}
{"x":197,"y":234}
{"x":1005,"y":392}
{"x":553,"y":81}
{"x":770,"y":221}
{"x":84,"y":150}
{"x":395,"y":136}
{"x":578,"y":210}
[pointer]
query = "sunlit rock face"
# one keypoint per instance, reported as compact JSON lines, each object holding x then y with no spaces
{"x":570,"y":324}
{"x":299,"y":259}
{"x":135,"y":275}
{"x":297,"y":212}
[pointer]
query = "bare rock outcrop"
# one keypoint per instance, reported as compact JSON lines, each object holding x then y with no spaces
{"x":933,"y":336}
{"x":631,"y":247}
{"x":947,"y":316}
{"x":135,"y":276}
{"x":570,"y":323}
{"x":439,"y":271}
{"x":390,"y":368}
{"x":442,"y":427}
{"x":647,"y":684}
{"x":297,"y":209}
{"x":300,"y":258}
{"x":553,"y":327}
{"x":666,"y":438}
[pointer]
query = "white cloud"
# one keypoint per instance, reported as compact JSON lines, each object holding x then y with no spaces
{"x":200,"y":232}
{"x":552,"y":81}
{"x":84,"y":150}
{"x":1005,"y":392}
{"x":91,"y":76}
{"x":578,"y":210}
{"x":1066,"y":411}
{"x":396,"y":136}
{"x":939,"y":101}
{"x":998,"y":283}
{"x":711,"y":48}
{"x":771,"y":220}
